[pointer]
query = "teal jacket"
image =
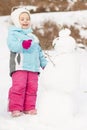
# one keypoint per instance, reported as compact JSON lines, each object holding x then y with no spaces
{"x":24,"y":59}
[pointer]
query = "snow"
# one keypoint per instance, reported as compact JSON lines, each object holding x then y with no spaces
{"x":62,"y":94}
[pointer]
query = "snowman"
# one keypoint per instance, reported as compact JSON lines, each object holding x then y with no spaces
{"x":60,"y":82}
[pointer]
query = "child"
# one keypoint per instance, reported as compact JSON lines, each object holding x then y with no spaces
{"x":26,"y":58}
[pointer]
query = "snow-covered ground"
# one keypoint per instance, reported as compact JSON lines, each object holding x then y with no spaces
{"x":56,"y":109}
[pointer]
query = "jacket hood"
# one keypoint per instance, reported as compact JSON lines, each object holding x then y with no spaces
{"x":25,"y":31}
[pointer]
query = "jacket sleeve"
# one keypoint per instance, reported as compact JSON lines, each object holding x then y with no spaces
{"x":43,"y":61}
{"x":13,"y":43}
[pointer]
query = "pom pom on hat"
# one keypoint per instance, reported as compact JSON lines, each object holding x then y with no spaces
{"x":15,"y":15}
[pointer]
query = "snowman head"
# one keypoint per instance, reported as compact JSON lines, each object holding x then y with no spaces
{"x":64,"y":43}
{"x":64,"y":32}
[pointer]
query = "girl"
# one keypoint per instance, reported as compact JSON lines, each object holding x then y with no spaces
{"x":26,"y":58}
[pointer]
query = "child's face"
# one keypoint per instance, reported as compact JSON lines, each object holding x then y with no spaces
{"x":24,"y":20}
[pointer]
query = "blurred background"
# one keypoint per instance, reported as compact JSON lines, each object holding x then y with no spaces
{"x":50,"y":29}
{"x":43,"y":5}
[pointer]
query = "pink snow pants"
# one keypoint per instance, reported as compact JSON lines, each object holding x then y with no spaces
{"x":23,"y":93}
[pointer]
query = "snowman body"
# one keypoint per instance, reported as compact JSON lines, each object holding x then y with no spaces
{"x":60,"y":82}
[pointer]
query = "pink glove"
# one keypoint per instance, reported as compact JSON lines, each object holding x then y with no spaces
{"x":26,"y":44}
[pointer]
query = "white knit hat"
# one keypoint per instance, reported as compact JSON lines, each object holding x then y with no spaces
{"x":15,"y":15}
